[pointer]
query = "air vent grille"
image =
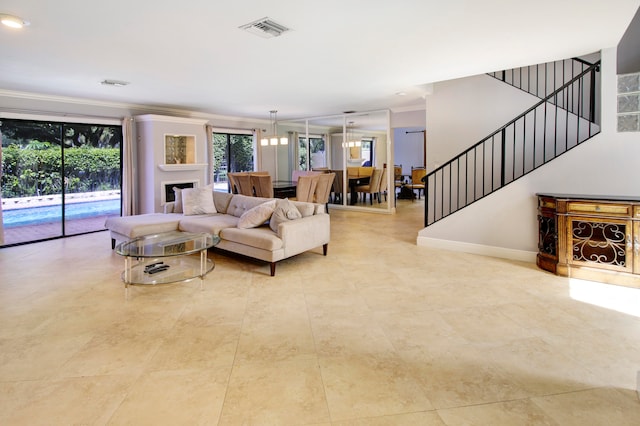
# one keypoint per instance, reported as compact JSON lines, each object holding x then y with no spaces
{"x":265,"y":27}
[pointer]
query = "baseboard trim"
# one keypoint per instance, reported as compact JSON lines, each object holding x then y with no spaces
{"x":501,"y":252}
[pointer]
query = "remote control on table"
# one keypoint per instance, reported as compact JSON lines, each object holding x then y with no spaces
{"x":152,"y":266}
{"x":158,"y":268}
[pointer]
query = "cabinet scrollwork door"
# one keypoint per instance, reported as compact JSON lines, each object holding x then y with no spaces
{"x":605,"y":243}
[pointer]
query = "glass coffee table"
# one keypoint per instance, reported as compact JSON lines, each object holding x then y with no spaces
{"x":167,"y":257}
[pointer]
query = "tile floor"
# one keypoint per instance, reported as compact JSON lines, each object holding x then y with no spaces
{"x":379,"y":332}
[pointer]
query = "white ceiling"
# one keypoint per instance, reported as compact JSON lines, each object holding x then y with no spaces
{"x":347,"y":55}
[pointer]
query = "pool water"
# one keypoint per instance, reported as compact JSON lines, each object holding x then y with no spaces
{"x":49,"y":214}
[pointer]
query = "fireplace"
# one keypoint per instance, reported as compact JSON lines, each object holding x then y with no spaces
{"x":167,"y":189}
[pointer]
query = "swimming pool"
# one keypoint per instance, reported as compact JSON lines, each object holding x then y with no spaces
{"x":50,"y":214}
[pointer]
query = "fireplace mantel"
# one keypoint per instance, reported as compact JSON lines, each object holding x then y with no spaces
{"x":181,"y":167}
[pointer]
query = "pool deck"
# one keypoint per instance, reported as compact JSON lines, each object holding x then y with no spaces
{"x":35,"y":232}
{"x":28,"y":233}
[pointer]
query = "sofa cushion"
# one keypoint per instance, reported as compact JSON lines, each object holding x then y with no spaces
{"x":285,"y":211}
{"x":144,"y":224}
{"x":257,"y":215}
{"x":261,"y":237}
{"x":197,"y":201}
{"x":211,"y":224}
{"x":305,"y":209}
{"x":241,"y":203}
{"x":222,"y":200}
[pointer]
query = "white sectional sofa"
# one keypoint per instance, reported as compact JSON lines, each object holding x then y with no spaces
{"x":291,"y":227}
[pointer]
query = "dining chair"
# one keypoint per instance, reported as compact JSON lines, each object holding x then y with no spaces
{"x":373,"y":187}
{"x":397,"y":175}
{"x":306,"y":188}
{"x":323,"y":189}
{"x":297,"y":173}
{"x":352,"y":171}
{"x":417,"y":173}
{"x":233,"y":184}
{"x":243,"y":183}
{"x":338,"y":185}
{"x":384,"y":185}
{"x":262,"y":185}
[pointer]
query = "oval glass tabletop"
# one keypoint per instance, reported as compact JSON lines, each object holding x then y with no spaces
{"x":167,"y":244}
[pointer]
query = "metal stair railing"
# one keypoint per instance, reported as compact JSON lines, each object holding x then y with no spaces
{"x":537,"y":136}
{"x":542,"y":79}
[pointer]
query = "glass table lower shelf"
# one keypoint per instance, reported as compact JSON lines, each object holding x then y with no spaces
{"x":167,"y":258}
{"x":179,"y":269}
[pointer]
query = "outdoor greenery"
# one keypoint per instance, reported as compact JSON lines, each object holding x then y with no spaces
{"x":42,"y":158}
{"x":28,"y":172}
{"x":315,"y":145}
{"x":231,"y":153}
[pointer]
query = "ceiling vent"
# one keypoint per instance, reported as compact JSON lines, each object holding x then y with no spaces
{"x":117,"y":83}
{"x":265,"y":27}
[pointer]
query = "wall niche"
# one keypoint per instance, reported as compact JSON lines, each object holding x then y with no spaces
{"x":179,"y":149}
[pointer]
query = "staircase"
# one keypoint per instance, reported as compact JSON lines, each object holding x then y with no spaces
{"x":566,"y":116}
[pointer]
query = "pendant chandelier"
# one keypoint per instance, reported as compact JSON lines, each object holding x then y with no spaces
{"x":351,"y":140}
{"x":273,"y":138}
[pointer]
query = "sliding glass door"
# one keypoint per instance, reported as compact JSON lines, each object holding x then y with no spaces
{"x":58,"y":179}
{"x":230,"y":153}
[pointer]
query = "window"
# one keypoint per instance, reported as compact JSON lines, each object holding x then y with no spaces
{"x":316,"y":147}
{"x":230,"y":153}
{"x":366,"y":151}
{"x":58,"y":179}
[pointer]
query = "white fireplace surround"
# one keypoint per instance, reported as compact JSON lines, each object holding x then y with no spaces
{"x":164,"y":185}
{"x":182,"y":167}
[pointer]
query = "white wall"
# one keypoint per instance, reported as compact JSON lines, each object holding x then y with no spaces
{"x":408,"y":148}
{"x":461,"y":112}
{"x":504,"y":223}
{"x":412,"y":118}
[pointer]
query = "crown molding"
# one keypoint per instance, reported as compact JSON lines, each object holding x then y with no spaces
{"x":170,"y":119}
{"x":409,"y":108}
{"x":135,"y":109}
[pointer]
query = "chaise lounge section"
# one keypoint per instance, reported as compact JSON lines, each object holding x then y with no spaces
{"x":261,"y":228}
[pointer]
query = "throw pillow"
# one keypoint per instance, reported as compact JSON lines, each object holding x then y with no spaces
{"x":177,"y":203}
{"x":197,"y":201}
{"x":256,"y":216}
{"x":285,"y":210}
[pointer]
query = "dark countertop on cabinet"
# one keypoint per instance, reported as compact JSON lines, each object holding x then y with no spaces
{"x":629,"y":198}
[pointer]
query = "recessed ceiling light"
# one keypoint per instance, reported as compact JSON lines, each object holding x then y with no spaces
{"x":117,"y":83}
{"x":401,"y":94}
{"x":13,"y":21}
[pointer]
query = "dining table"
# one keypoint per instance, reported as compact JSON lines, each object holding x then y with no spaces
{"x":284,"y":188}
{"x":355,"y":181}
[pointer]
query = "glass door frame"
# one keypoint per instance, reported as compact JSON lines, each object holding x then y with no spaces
{"x":63,"y":124}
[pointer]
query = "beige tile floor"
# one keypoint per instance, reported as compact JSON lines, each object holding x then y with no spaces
{"x":379,"y":332}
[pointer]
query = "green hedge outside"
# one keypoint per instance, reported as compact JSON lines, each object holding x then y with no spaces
{"x":34,"y":172}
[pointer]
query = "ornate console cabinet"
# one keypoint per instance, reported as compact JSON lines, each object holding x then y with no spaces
{"x":590,"y":237}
